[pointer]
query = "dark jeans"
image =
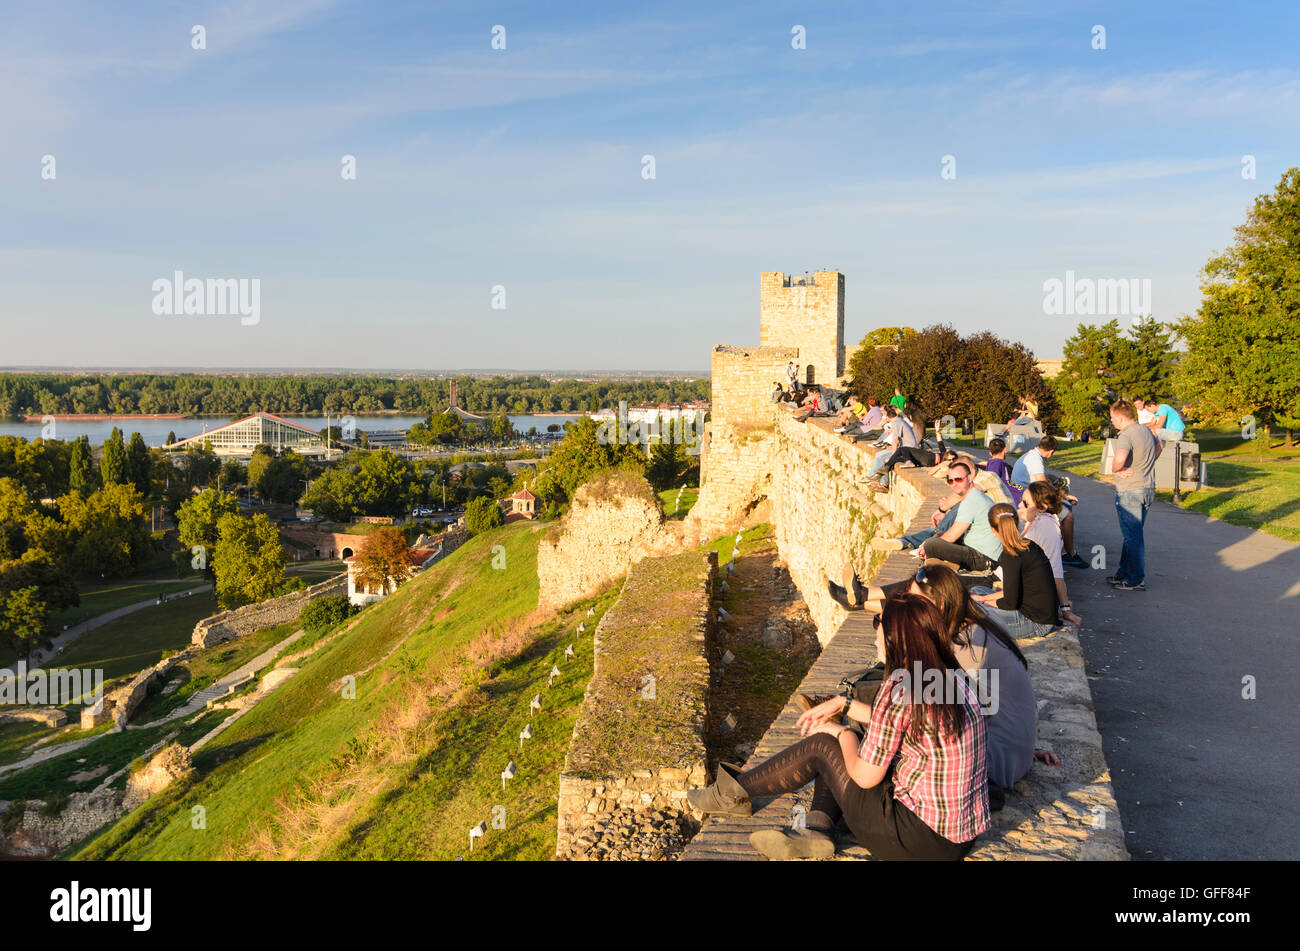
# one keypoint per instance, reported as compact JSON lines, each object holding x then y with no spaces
{"x":919,"y":457}
{"x":958,"y":554}
{"x":1132,"y":507}
{"x":881,"y":824}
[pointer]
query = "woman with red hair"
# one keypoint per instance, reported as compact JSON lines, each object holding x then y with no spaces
{"x":915,"y":786}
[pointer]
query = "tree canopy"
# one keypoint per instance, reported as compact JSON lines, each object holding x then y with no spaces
{"x":1243,"y":348}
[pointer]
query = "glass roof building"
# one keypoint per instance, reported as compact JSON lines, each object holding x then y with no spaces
{"x":241,"y":437}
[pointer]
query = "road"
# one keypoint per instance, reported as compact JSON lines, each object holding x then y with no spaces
{"x":1200,"y":770}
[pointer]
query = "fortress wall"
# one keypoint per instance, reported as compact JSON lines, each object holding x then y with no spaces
{"x":614,"y":522}
{"x":638,"y":744}
{"x":254,"y":617}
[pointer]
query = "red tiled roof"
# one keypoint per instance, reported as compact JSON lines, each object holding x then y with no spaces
{"x":524,"y":496}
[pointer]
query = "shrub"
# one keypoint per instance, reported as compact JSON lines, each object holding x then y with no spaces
{"x":323,"y":613}
{"x":483,"y":514}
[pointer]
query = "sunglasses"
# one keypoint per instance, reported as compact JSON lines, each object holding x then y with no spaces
{"x":921,"y":576}
{"x":958,"y":479}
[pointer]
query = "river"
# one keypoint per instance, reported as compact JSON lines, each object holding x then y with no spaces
{"x":155,"y":431}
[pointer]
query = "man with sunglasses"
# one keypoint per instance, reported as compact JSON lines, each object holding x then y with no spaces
{"x":969,"y":542}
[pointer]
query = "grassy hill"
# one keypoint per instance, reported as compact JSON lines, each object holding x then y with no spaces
{"x":443,"y":670}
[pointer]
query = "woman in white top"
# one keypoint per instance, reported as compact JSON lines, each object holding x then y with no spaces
{"x":1039,"y":505}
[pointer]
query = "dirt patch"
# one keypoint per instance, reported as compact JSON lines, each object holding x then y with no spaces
{"x":772,"y":642}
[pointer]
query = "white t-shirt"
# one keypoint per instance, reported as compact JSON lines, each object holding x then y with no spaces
{"x":1028,"y":466}
{"x":1145,"y":416}
{"x":1046,"y":531}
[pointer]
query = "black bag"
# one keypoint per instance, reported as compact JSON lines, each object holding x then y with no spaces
{"x":862,"y":686}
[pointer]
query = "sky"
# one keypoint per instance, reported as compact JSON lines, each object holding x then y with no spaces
{"x":517,"y":176}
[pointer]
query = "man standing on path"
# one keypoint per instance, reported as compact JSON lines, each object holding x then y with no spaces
{"x":1134,"y":467}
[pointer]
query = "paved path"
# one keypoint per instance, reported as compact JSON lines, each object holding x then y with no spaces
{"x":64,"y":638}
{"x":1199,"y":772}
{"x":219,"y":687}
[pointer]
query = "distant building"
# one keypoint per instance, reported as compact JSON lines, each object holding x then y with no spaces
{"x":386,"y":439}
{"x":241,"y":437}
{"x":361,"y":593}
{"x":523,"y":504}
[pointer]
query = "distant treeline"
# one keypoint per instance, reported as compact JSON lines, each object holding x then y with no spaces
{"x":32,"y":393}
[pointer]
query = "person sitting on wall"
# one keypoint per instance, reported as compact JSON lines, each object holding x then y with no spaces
{"x":997,"y":464}
{"x":778,"y":392}
{"x":1030,"y":468}
{"x":870,"y":426}
{"x":969,"y":542}
{"x":851,"y":413}
{"x":1038,"y":508}
{"x":912,"y":455}
{"x":1027,"y":605}
{"x":915,"y":786}
{"x":1027,"y":413}
{"x":900,"y":434}
{"x":1167,"y":425}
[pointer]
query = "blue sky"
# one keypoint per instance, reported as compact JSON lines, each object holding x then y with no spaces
{"x":522,"y":167}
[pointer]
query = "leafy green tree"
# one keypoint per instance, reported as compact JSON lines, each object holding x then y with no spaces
{"x":107,"y":530}
{"x":282,"y":479}
{"x":24,"y":620}
{"x":671,"y":466}
{"x":249,"y":560}
{"x":883,"y":336}
{"x":383,"y":560}
{"x":943,"y":373}
{"x":1243,"y":349}
{"x":198,"y":517}
{"x":139,"y":466}
{"x":258,"y":463}
{"x":113,"y":465}
{"x":483,"y":514}
{"x":586,"y":451}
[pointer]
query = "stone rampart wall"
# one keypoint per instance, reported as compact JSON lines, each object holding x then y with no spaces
{"x":638,"y":744}
{"x":254,"y":617}
{"x":613,"y":523}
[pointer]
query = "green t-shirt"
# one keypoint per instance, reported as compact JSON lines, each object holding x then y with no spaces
{"x":900,"y":401}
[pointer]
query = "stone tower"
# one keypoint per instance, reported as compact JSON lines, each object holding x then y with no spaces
{"x":806,"y":313}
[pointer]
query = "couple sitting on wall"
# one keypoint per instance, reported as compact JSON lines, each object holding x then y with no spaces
{"x":910,"y":770}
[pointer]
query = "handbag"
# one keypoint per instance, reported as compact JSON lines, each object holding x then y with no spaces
{"x":862,"y":686}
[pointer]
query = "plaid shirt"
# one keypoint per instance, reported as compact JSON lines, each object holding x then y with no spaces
{"x":943,"y":782}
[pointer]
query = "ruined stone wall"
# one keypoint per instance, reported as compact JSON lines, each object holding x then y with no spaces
{"x":638,"y":744}
{"x":614,"y":522}
{"x":254,"y":617}
{"x":824,"y":515}
{"x":810,"y":317}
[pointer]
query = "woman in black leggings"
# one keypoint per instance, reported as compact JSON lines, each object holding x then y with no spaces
{"x":914,"y":788}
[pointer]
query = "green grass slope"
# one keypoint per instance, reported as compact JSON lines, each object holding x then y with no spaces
{"x":443,"y":673}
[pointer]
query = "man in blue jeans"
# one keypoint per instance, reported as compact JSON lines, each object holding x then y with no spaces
{"x":1134,"y":467}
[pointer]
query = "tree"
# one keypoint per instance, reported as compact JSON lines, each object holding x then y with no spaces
{"x":249,"y":560}
{"x":82,"y":476}
{"x":261,"y":459}
{"x":383,"y":559}
{"x":171,"y":436}
{"x":282,"y":479}
{"x":321,"y":614}
{"x":483,"y":514}
{"x":197,"y":518}
{"x":943,"y":373}
{"x":671,"y":466}
{"x":1243,"y":351}
{"x":139,"y":465}
{"x":113,"y":465}
{"x":107,"y":530}
{"x":24,"y":619}
{"x":586,"y":451}
{"x":887,"y":336}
